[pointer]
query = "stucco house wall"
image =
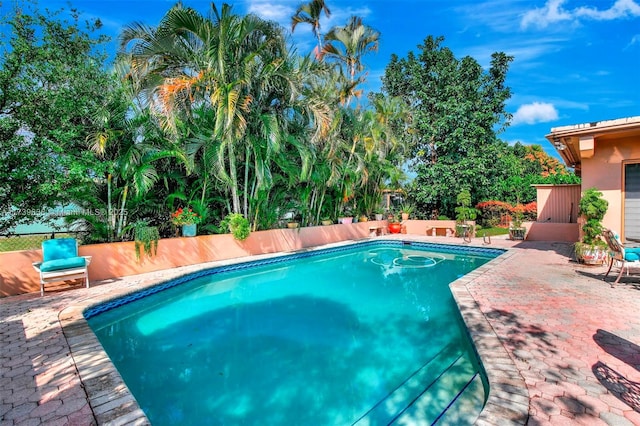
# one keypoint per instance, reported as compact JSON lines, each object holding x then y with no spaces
{"x":599,"y":151}
{"x":605,"y":172}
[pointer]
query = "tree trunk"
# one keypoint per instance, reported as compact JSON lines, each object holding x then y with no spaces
{"x":233,"y":174}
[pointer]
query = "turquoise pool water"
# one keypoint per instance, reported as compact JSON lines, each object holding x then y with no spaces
{"x":364,"y":335}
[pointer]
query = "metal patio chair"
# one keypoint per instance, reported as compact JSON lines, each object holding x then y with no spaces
{"x":623,"y":257}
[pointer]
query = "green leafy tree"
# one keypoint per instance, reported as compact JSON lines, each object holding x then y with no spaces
{"x":52,"y":79}
{"x":457,"y":110}
{"x":531,"y":166}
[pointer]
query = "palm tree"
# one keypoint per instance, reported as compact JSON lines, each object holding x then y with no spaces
{"x":309,"y":13}
{"x":348,"y":44}
{"x":131,"y":150}
{"x":190,"y":61}
{"x":229,"y":84}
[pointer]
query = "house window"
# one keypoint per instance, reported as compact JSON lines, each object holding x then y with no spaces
{"x":632,"y":201}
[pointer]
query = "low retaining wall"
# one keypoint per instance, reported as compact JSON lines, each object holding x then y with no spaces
{"x":112,"y":260}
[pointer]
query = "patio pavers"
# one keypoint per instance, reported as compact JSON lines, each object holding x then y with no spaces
{"x":573,"y":339}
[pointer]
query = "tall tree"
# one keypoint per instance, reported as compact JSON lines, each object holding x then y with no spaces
{"x":52,"y":79}
{"x":532,"y":166}
{"x":347,"y":45}
{"x":457,"y":108}
{"x":310,"y":13}
{"x":228,"y":75}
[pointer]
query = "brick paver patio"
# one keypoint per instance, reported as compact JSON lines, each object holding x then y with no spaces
{"x":573,"y":339}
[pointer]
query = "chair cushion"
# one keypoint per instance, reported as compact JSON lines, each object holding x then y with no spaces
{"x":632,"y":250}
{"x":59,"y":264}
{"x":59,"y":248}
{"x":631,"y":256}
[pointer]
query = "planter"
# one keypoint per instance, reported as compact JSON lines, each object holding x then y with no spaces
{"x":463,"y":230}
{"x":292,"y":225}
{"x":517,"y":233}
{"x":378,"y":216}
{"x":590,"y":255}
{"x":327,"y":222}
{"x":345,"y":220}
{"x":405,"y":216}
{"x":189,"y":230}
{"x":363,"y":219}
{"x":395,"y":228}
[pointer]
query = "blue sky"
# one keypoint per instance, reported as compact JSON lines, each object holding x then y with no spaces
{"x":576,"y":61}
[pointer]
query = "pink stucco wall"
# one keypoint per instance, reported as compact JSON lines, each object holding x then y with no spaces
{"x":113,"y":260}
{"x":557,"y":203}
{"x":17,"y":275}
{"x":605,"y":172}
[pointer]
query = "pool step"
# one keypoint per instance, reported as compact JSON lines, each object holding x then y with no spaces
{"x":466,"y":406}
{"x":425,"y":394}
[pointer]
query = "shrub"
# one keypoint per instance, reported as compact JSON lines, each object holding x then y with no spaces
{"x":492,"y":212}
{"x":593,"y":207}
{"x":530,"y":211}
{"x":237,"y":225}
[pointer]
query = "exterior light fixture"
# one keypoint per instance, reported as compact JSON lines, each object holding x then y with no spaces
{"x":558,"y":144}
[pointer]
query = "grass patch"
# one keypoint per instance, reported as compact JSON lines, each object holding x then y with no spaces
{"x":26,"y":242}
{"x":490,"y":232}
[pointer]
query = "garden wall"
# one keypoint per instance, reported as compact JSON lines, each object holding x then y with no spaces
{"x":113,"y":260}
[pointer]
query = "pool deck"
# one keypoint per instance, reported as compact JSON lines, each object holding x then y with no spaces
{"x":560,"y":346}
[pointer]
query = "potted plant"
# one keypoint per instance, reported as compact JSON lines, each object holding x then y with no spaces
{"x":591,"y":250}
{"x":516,"y":230}
{"x":326,"y":221}
{"x":395,"y":227}
{"x":237,"y":225}
{"x":187,"y":219}
{"x":379,"y":211}
{"x":406,"y":210}
{"x":363,"y":218}
{"x":464,"y":212}
{"x":145,"y":239}
{"x":347,"y":216}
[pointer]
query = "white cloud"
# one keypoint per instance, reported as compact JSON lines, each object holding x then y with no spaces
{"x":273,"y":12}
{"x":535,"y":112}
{"x":553,"y":12}
{"x":620,"y":9}
{"x":635,"y":40}
{"x":282,"y":12}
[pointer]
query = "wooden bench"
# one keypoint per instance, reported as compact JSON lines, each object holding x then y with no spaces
{"x":376,"y":231}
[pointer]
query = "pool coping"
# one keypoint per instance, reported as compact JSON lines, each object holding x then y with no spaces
{"x":508,"y":400}
{"x":112,"y":402}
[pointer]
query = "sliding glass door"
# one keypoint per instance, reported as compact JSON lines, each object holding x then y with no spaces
{"x":632,"y":201}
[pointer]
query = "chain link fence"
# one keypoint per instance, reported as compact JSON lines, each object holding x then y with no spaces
{"x":33,"y":241}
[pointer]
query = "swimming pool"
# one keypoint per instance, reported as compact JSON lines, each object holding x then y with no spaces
{"x":367,"y":334}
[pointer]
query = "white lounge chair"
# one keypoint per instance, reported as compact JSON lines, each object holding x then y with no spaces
{"x":60,"y":262}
